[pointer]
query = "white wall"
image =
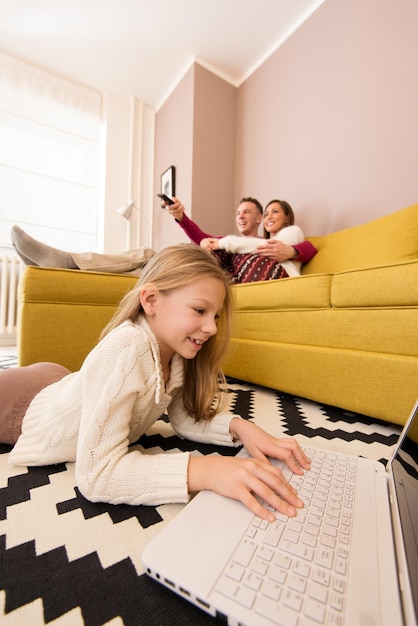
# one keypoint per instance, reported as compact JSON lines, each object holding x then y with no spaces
{"x":114,"y":189}
{"x":195,"y":132}
{"x":128,"y":158}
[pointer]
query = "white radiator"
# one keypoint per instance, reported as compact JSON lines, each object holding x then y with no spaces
{"x":11,"y":268}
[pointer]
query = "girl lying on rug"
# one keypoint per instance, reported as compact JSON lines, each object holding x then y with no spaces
{"x":250,"y":259}
{"x":160,"y":351}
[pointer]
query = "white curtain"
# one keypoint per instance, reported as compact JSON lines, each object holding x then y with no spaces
{"x":50,"y":141}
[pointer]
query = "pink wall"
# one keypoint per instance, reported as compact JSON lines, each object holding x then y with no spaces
{"x":214,"y":141}
{"x":195,"y":132}
{"x":330,"y":121}
{"x":174,"y":146}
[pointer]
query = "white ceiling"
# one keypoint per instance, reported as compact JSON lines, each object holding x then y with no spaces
{"x":142,"y":48}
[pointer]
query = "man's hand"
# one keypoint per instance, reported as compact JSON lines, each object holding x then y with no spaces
{"x":276,"y":249}
{"x":176,"y":209}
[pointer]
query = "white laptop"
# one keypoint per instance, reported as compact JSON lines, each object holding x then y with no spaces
{"x":349,"y":558}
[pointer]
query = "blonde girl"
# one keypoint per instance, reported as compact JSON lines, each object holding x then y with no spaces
{"x":161,"y":352}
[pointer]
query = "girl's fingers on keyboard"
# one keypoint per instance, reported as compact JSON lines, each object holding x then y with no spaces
{"x":261,"y":445}
{"x":266,"y":483}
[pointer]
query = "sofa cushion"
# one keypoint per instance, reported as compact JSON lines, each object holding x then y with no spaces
{"x":389,"y":239}
{"x":368,"y":310}
{"x":394,"y":285}
{"x":299,"y":292}
{"x":48,"y":285}
{"x":62,"y":312}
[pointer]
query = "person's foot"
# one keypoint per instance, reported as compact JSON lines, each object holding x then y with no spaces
{"x":33,"y":252}
{"x":24,"y":258}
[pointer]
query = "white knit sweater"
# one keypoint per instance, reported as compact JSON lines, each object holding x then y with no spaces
{"x":290,"y":235}
{"x":92,"y":416}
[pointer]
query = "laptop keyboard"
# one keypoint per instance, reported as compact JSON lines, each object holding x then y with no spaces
{"x":293,"y":571}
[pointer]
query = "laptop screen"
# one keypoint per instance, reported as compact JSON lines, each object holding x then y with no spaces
{"x":405,"y":474}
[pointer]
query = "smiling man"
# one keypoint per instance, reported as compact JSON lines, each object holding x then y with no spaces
{"x":248,"y":217}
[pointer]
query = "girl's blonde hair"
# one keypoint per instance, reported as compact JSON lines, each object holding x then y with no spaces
{"x":169,"y":269}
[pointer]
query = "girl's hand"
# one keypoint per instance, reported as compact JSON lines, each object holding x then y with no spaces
{"x":254,"y":479}
{"x":246,"y":480}
{"x":261,"y":445}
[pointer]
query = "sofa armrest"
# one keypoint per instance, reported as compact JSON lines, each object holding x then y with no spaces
{"x":62,"y":313}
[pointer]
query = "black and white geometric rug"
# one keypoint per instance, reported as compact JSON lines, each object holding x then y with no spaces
{"x":68,"y":562}
{"x":8,"y":360}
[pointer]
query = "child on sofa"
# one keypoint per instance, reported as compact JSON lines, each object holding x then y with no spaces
{"x":159,"y":352}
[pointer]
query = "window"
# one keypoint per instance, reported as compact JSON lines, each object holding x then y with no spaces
{"x":50,"y":133}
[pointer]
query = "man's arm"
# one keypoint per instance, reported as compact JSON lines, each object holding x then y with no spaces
{"x":191,"y":229}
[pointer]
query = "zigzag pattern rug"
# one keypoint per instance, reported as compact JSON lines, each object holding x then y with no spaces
{"x":67,"y":562}
{"x":8,"y":360}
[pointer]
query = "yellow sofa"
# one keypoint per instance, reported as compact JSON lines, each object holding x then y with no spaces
{"x":345,"y":333}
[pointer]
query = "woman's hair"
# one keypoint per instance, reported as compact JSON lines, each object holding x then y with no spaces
{"x":169,"y":269}
{"x":288,"y":211}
